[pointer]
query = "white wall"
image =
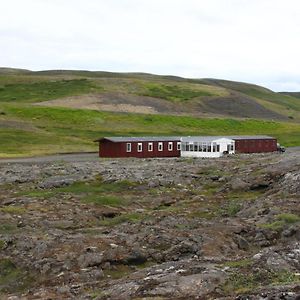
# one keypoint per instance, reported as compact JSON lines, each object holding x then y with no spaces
{"x":223,"y":142}
{"x":200,"y":154}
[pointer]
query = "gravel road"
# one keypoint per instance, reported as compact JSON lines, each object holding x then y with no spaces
{"x":73,"y":157}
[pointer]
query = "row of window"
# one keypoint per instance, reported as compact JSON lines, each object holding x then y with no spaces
{"x":204,"y":147}
{"x":200,"y":147}
{"x":160,"y":146}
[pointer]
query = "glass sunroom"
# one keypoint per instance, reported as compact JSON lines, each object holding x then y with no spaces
{"x":206,"y":146}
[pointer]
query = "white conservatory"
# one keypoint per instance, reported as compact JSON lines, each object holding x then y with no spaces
{"x":206,"y":146}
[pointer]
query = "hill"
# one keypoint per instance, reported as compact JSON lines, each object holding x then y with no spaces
{"x":64,"y":110}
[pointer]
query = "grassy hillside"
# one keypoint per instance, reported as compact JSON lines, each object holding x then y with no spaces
{"x":28,"y":129}
{"x":52,"y":130}
{"x":292,"y":94}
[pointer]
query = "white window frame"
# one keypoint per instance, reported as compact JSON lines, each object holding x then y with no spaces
{"x":128,"y":147}
{"x":160,"y":146}
{"x":170,"y":146}
{"x":150,"y":147}
{"x":140,"y":147}
{"x":178,"y":146}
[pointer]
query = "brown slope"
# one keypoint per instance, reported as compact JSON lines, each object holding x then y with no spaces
{"x":239,"y":105}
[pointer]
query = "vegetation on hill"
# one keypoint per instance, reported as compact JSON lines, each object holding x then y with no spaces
{"x":28,"y":129}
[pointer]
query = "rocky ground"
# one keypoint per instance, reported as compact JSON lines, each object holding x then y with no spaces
{"x":226,"y":228}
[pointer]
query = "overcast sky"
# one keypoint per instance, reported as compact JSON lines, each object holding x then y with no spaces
{"x":254,"y":41}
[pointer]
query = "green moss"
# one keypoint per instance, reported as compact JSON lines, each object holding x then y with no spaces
{"x":2,"y":245}
{"x":104,"y":200}
{"x":276,"y":226}
{"x":7,"y":228}
{"x":238,"y":263}
{"x":131,"y":217}
{"x":95,"y":192}
{"x":12,"y":279}
{"x":210,"y":189}
{"x":13,"y":210}
{"x":243,"y":195}
{"x":118,"y":272}
{"x":43,"y":194}
{"x":281,"y":221}
{"x":239,"y":282}
{"x":203,"y":214}
{"x":288,"y":218}
{"x":232,"y":209}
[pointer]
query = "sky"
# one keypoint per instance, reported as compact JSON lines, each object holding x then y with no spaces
{"x":256,"y":41}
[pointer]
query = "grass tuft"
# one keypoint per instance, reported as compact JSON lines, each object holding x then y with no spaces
{"x":16,"y":210}
{"x":131,"y":217}
{"x":281,"y":221}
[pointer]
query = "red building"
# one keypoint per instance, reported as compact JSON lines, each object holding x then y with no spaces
{"x":171,"y":146}
{"x":254,"y":144}
{"x":139,"y":147}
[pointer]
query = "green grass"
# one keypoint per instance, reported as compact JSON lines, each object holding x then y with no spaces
{"x":288,"y":218}
{"x":7,"y":228}
{"x":65,"y":130}
{"x":130,"y":217}
{"x":240,"y":282}
{"x":2,"y":245}
{"x":12,"y":279}
{"x":16,"y":210}
{"x":174,"y":92}
{"x":44,"y":90}
{"x":95,"y":192}
{"x":232,"y":209}
{"x":238,"y":263}
{"x":281,"y":221}
{"x":104,"y":200}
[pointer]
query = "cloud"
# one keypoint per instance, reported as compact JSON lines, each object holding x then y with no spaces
{"x":255,"y":41}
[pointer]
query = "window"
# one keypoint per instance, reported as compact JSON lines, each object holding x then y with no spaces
{"x":196,"y":146}
{"x":128,"y":147}
{"x":218,"y":148}
{"x":170,"y":146}
{"x":178,"y":146}
{"x":200,"y":146}
{"x":150,"y":147}
{"x":184,"y":146}
{"x":191,"y":147}
{"x":214,"y":147}
{"x":160,"y":146}
{"x":140,"y":147}
{"x":209,"y":147}
{"x":204,"y":147}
